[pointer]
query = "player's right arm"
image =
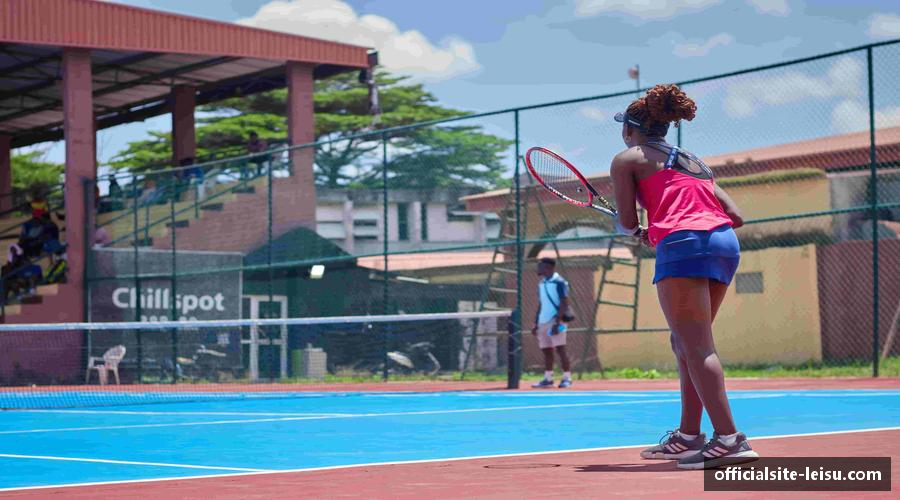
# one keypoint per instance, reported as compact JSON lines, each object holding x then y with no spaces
{"x":624,"y":189}
{"x":730,"y":207}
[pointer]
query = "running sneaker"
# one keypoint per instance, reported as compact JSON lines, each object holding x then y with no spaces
{"x":565,"y":383}
{"x":543,"y":384}
{"x":716,"y":453}
{"x":673,"y":445}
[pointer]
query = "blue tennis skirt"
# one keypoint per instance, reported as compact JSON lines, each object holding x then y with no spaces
{"x":713,"y":254}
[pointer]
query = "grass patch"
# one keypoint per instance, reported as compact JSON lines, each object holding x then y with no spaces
{"x":890,"y":367}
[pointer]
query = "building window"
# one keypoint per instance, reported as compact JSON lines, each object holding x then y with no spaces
{"x":423,"y":218}
{"x":365,"y":237}
{"x":365,"y":223}
{"x":749,"y":282}
{"x":403,"y":221}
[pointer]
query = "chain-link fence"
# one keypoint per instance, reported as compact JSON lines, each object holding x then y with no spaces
{"x":440,"y":217}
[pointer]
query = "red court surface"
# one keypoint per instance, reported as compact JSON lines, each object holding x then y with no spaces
{"x":610,"y":473}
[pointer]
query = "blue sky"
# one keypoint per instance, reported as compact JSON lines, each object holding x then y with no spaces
{"x":481,"y":55}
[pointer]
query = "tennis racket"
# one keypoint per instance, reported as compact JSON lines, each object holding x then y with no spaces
{"x":565,"y":181}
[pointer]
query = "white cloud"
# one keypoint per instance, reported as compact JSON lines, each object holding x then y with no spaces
{"x":884,"y":26}
{"x":772,"y":7}
{"x":406,"y":52}
{"x":696,"y":49}
{"x":744,"y":98}
{"x":593,"y":113}
{"x":853,"y":116}
{"x":644,"y":9}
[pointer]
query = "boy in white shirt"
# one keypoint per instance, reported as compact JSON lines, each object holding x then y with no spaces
{"x":549,"y":328}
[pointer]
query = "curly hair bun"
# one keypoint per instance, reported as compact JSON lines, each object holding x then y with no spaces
{"x":668,"y":103}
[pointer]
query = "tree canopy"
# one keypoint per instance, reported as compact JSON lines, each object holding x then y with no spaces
{"x":439,"y":156}
{"x":30,"y":170}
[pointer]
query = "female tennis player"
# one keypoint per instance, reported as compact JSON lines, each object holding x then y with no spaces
{"x":690,"y":221}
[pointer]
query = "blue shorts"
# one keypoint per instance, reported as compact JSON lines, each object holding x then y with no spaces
{"x":713,"y":254}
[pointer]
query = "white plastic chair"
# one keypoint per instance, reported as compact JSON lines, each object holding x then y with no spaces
{"x":109,"y":362}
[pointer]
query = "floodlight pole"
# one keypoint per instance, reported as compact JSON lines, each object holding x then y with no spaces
{"x":637,"y":79}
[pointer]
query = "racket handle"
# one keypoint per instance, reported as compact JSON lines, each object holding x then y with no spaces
{"x":559,"y":328}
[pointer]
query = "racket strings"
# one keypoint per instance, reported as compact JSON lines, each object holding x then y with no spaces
{"x":558,"y":176}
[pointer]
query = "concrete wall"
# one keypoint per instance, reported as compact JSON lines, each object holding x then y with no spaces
{"x":780,"y":325}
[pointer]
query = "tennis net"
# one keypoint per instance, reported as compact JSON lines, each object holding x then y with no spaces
{"x":104,"y":364}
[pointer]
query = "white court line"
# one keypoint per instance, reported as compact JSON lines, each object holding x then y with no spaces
{"x":425,"y":461}
{"x":736,"y":395}
{"x":129,"y":462}
{"x":367,"y":415}
{"x":211,"y":413}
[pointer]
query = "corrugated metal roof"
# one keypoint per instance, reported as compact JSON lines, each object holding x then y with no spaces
{"x":137,"y":56}
{"x":103,"y":25}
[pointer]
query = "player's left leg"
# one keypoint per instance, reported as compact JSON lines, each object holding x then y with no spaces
{"x":566,"y":366}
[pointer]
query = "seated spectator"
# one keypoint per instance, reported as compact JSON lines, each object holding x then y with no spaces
{"x":191,"y":171}
{"x":101,"y":237}
{"x":31,"y":239}
{"x":193,"y":175}
{"x":20,"y":276}
{"x":113,"y":200}
{"x":39,"y":199}
{"x":151,"y":195}
{"x":257,"y":145}
{"x":50,"y":236}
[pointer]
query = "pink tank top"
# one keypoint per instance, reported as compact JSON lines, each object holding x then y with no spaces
{"x":677,"y":201}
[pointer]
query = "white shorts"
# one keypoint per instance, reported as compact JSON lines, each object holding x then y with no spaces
{"x":549,"y":341}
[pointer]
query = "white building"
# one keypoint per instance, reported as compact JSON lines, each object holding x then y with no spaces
{"x":417,"y":219}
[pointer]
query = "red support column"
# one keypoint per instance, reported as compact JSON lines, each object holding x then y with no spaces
{"x":78,"y":124}
{"x":301,"y":130}
{"x":5,"y":173}
{"x":184,"y":137}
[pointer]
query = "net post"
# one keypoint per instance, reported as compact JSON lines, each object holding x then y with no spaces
{"x":512,"y":376}
{"x":873,"y":193}
{"x":516,"y":319}
{"x":173,"y":310}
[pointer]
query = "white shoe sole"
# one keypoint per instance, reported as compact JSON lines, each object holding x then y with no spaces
{"x":749,"y":455}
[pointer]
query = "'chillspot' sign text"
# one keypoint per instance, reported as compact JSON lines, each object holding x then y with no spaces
{"x":161,"y":299}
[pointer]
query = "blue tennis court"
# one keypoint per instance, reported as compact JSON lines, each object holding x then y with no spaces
{"x":40,"y":448}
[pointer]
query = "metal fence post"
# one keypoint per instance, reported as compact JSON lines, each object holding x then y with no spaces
{"x":385,"y":290}
{"x":271,"y":275}
{"x":269,"y":222}
{"x":873,"y":193}
{"x":173,"y":334}
{"x":516,"y":343}
{"x":137,"y":280}
{"x":90,"y":204}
